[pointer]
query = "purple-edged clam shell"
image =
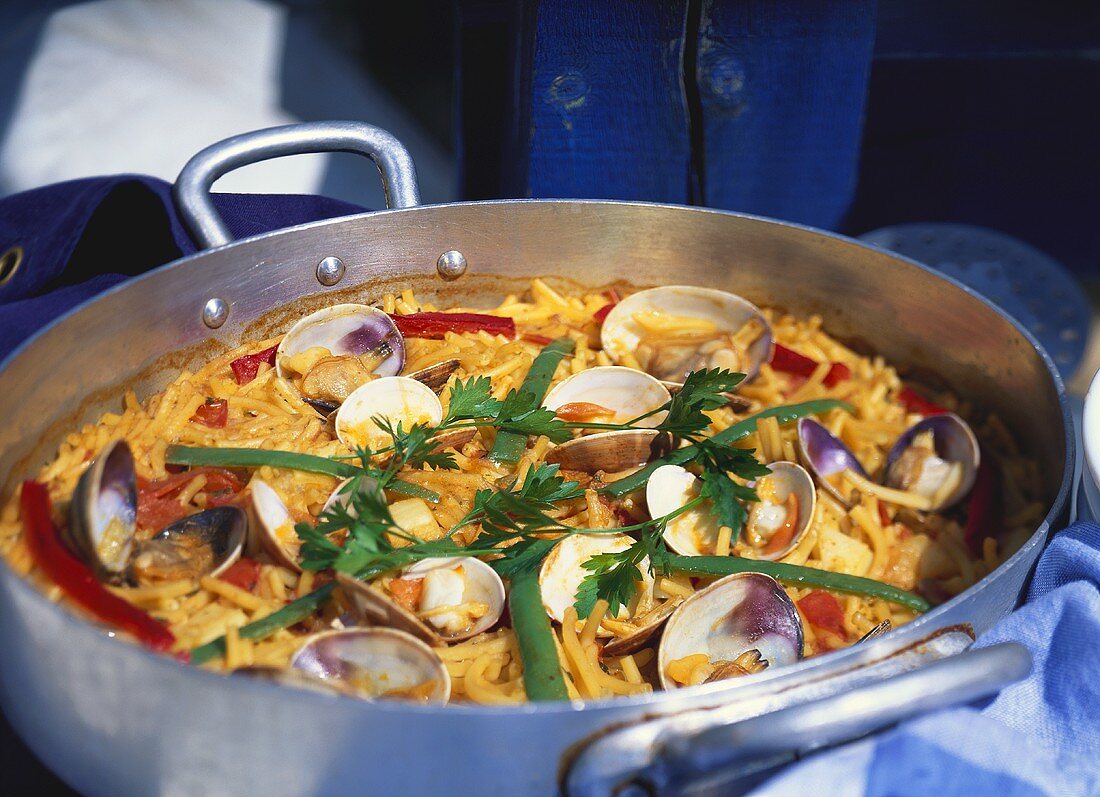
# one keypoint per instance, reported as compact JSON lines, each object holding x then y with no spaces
{"x":824,"y":455}
{"x":221,"y":529}
{"x":385,"y":659}
{"x":954,"y":441}
{"x":106,"y":492}
{"x":345,"y":329}
{"x":736,"y":614}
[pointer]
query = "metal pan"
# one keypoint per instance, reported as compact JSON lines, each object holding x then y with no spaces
{"x":113,"y":719}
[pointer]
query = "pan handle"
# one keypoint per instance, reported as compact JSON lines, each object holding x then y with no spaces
{"x":191,"y":191}
{"x":669,"y":755}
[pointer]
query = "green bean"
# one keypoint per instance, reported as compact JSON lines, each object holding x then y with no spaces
{"x":509,"y":446}
{"x":797,"y":574}
{"x":542,"y":676}
{"x":293,"y":612}
{"x":739,"y":431}
{"x":292,"y":460}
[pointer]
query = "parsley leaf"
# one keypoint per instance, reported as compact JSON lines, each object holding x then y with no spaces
{"x":723,"y":494}
{"x":521,"y":413}
{"x":614,"y":576}
{"x":471,"y":400}
{"x":701,"y":391}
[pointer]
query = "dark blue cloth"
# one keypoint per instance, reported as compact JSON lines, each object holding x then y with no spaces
{"x":1038,"y":738}
{"x":81,"y":237}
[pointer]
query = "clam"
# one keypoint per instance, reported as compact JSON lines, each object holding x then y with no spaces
{"x":293,"y":678}
{"x":609,"y":394}
{"x":103,"y":511}
{"x":561,"y":575}
{"x":435,"y":376}
{"x":826,"y":457}
{"x":274,"y":527}
{"x":205,"y":543}
{"x":398,"y":399}
{"x":376,"y":663}
{"x":779,"y":520}
{"x":563,"y":568}
{"x":338,"y":348}
{"x":611,"y":452}
{"x":739,"y":625}
{"x":673,"y":330}
{"x":693,"y":533}
{"x":437,"y":600}
{"x":937,"y":458}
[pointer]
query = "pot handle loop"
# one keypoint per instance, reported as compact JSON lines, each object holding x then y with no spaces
{"x":714,"y":748}
{"x":191,"y":191}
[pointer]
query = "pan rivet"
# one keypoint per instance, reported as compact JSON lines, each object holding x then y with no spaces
{"x":330,"y":271}
{"x":214,"y":313}
{"x":451,"y":264}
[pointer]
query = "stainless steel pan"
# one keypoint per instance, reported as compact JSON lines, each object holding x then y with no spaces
{"x":112,"y":719}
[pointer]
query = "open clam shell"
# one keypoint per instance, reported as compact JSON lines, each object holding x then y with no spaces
{"x":205,"y":543}
{"x":622,"y":393}
{"x":825,"y":456}
{"x":345,"y":329}
{"x":398,"y":399}
{"x":611,"y":452}
{"x":926,"y":471}
{"x":732,"y":617}
{"x":782,"y":516}
{"x":693,"y":533}
{"x":563,"y":568}
{"x":103,"y":511}
{"x":273,"y":527}
{"x":717,"y":314}
{"x":376,"y":663}
{"x":458,"y":598}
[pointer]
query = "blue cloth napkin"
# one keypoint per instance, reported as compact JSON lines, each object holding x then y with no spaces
{"x":80,"y":237}
{"x":1038,"y":737}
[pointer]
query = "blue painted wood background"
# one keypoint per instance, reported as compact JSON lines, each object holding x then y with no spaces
{"x":845,"y":114}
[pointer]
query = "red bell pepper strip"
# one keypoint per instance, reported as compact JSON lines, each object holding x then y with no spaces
{"x":540,"y":340}
{"x":984,"y":511}
{"x":790,"y":361}
{"x":245,"y":368}
{"x":434,"y":325}
{"x":214,"y":413}
{"x":244,"y":574}
{"x":612,"y":300}
{"x":914,"y":402}
{"x":76,"y":579}
{"x":823,"y":611}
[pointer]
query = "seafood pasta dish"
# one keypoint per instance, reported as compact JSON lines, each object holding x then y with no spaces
{"x":561,"y":497}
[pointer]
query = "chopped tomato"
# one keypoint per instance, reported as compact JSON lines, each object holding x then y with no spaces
{"x":915,"y":402}
{"x":823,"y":611}
{"x":157,"y":506}
{"x":214,"y":413}
{"x":245,"y":368}
{"x":244,"y":573}
{"x":406,"y":592}
{"x":883,"y":515}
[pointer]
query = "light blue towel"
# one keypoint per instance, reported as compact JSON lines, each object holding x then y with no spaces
{"x":1038,"y":737}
